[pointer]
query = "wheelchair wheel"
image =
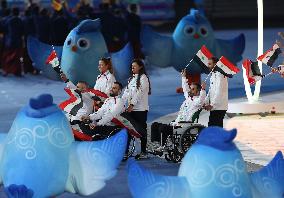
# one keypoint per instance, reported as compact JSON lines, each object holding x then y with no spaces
{"x":189,"y":136}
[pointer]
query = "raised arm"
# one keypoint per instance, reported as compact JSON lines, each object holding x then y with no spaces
{"x":184,"y":83}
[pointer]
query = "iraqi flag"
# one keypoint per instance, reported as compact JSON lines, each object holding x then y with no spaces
{"x":202,"y":57}
{"x":125,"y":123}
{"x":225,"y":67}
{"x":252,"y":71}
{"x":53,"y":60}
{"x":270,"y":55}
{"x":74,"y":103}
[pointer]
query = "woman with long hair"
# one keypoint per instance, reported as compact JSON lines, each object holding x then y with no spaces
{"x":106,"y":79}
{"x":136,"y":96}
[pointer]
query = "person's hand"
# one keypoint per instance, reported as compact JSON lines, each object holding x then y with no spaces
{"x":274,"y":70}
{"x":85,"y":118}
{"x":208,"y":107}
{"x":63,"y":77}
{"x":130,"y":108}
{"x":92,"y":126}
{"x":203,"y":85}
{"x":183,"y":73}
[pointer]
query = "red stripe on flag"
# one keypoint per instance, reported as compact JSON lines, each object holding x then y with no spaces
{"x":230,"y":65}
{"x":51,"y":57}
{"x":97,"y":93}
{"x":69,"y":101}
{"x":247,"y":65}
{"x":206,"y":52}
{"x":69,"y":92}
{"x":264,"y":55}
{"x":130,"y":131}
{"x":81,"y":136}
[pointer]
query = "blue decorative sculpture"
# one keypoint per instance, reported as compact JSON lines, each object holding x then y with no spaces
{"x":192,"y":31}
{"x":39,"y":157}
{"x":213,"y":167}
{"x":82,"y":49}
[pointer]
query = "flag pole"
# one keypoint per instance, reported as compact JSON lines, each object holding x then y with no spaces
{"x":188,"y":64}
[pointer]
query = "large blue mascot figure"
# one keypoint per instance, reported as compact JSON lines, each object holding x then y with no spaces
{"x":82,"y":50}
{"x":39,"y":157}
{"x":213,"y":167}
{"x":192,"y":31}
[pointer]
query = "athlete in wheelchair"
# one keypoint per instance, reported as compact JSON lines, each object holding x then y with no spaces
{"x":176,"y":137}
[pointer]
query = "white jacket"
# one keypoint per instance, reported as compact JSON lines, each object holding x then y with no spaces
{"x":137,"y":97}
{"x":88,"y":103}
{"x":112,"y":107}
{"x":190,"y":105}
{"x":104,"y":82}
{"x":218,"y":91}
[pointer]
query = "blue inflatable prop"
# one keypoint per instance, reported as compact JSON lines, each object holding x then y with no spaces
{"x":213,"y":167}
{"x":82,"y":49}
{"x":192,"y":31}
{"x":40,"y":158}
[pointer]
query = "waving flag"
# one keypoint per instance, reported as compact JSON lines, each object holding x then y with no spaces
{"x":202,"y":57}
{"x":53,"y":60}
{"x":125,"y":123}
{"x":75,"y":102}
{"x":270,"y":55}
{"x":252,"y":71}
{"x":225,"y":67}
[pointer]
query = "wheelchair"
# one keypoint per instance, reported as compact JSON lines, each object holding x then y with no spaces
{"x":174,"y":144}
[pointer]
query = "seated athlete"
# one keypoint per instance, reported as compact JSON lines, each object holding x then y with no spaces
{"x":101,"y":119}
{"x":194,"y":100}
{"x":83,"y":106}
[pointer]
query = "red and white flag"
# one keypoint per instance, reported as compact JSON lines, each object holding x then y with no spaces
{"x":73,"y":104}
{"x":54,"y":61}
{"x":124,"y":123}
{"x":202,"y":57}
{"x":225,"y":67}
{"x":270,"y":55}
{"x":253,"y":73}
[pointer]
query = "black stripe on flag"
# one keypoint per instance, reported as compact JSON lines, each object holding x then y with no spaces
{"x":58,"y":69}
{"x":255,"y":69}
{"x":201,"y":64}
{"x":78,"y":106}
{"x":222,"y":72}
{"x":274,"y":56}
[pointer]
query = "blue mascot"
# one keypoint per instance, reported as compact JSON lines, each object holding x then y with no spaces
{"x":213,"y":167}
{"x":39,"y":157}
{"x":82,"y":50}
{"x":192,"y":31}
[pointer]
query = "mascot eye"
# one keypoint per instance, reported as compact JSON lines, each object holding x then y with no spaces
{"x":69,"y":42}
{"x":189,"y":30}
{"x":83,"y":43}
{"x":203,"y":31}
